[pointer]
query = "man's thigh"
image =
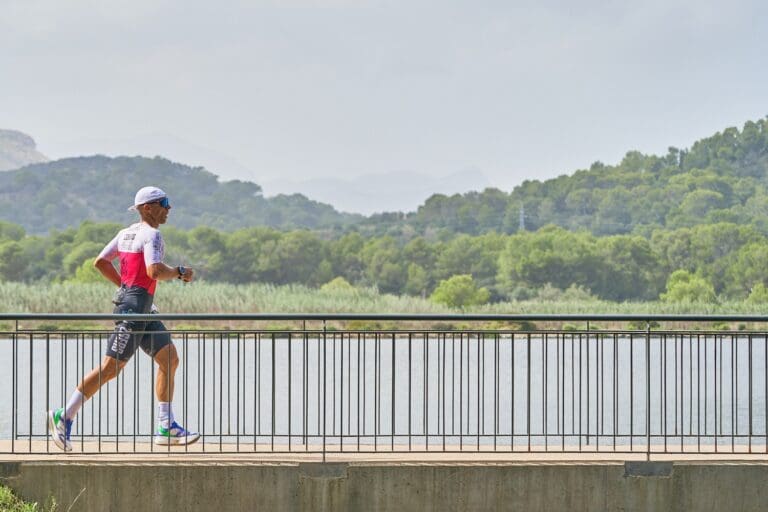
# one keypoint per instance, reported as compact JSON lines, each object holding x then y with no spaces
{"x":155,"y":338}
{"x":124,"y":340}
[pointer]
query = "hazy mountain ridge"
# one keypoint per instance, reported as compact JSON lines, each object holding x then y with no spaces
{"x":18,"y":149}
{"x":401,"y":191}
{"x":66,"y":192}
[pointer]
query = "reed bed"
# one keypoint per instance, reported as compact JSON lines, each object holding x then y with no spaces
{"x":201,"y":297}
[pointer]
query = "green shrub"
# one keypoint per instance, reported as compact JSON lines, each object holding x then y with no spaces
{"x":682,"y":286}
{"x":460,"y":291}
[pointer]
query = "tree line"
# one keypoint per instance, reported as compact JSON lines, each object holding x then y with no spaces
{"x":723,"y":178}
{"x":726,"y":259}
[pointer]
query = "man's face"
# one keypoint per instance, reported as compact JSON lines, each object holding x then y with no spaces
{"x":156,"y":212}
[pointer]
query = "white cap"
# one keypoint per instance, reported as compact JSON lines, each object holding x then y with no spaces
{"x":147,"y":195}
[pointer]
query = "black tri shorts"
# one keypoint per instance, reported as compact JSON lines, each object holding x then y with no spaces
{"x":130,"y":334}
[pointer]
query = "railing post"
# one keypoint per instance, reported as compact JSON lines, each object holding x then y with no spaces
{"x":648,"y":389}
{"x":324,"y":384}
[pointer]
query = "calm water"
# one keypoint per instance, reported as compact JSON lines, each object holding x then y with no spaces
{"x":458,"y":386}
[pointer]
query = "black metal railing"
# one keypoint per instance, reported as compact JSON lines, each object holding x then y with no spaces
{"x":325,"y":384}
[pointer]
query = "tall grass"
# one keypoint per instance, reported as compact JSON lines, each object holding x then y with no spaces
{"x":175,"y":297}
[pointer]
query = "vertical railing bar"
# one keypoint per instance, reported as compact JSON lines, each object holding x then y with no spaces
{"x":676,"y":388}
{"x":221,"y":391}
{"x":698,"y":393}
{"x":722,"y":394}
{"x":444,"y":389}
{"x":663,"y":341}
{"x":528,"y":390}
{"x":365,"y":384}
{"x":461,"y":390}
{"x":257,"y":384}
{"x":648,"y":389}
{"x":581,"y":399}
{"x":320,"y":399}
{"x":228,"y":366}
{"x":706,"y":387}
{"x":512,"y":391}
{"x":357,"y":395}
{"x":118,"y":381}
{"x":185,"y":381}
{"x":561,"y":344}
{"x":425,"y":349}
{"x":588,"y":415}
{"x":736,"y":385}
{"x":481,"y":388}
{"x":714,"y":390}
{"x":496,"y":382}
{"x":545,"y":377}
{"x":273,"y":391}
{"x":15,"y":386}
{"x":453,"y":384}
{"x":615,"y":388}
{"x":557,"y":385}
{"x":632,"y":392}
{"x":290,"y":387}
{"x":325,"y":409}
{"x":573,"y":383}
{"x":333,"y":384}
{"x":341,"y":392}
{"x":601,"y":347}
{"x":749,"y":373}
{"x":135,"y":400}
{"x":480,"y":369}
{"x":393,"y":377}
{"x":376,"y":394}
{"x":101,"y":351}
{"x":349,"y":383}
{"x":305,"y":386}
{"x":200,"y":389}
{"x":47,"y":383}
{"x":410,"y":348}
{"x":733,"y":392}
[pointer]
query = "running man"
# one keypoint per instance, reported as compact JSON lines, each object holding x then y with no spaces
{"x":140,"y":249}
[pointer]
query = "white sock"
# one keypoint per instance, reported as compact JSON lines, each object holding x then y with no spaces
{"x":165,"y":414}
{"x":73,"y":406}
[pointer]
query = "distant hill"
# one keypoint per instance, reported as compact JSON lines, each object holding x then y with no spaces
{"x":63,"y":193}
{"x":17,"y":150}
{"x":722,"y":178}
{"x":386,"y":192}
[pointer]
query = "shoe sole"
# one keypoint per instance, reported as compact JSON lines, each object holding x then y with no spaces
{"x":177,"y":441}
{"x":54,"y":435}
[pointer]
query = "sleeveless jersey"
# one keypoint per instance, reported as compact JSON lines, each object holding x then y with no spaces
{"x":138,"y":246}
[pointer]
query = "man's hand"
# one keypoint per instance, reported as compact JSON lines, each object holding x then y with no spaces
{"x":188,"y":275}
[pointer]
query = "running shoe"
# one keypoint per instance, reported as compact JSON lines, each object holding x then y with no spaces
{"x":176,"y":434}
{"x":60,"y":429}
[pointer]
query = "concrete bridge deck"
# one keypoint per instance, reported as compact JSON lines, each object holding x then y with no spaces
{"x":420,"y":482}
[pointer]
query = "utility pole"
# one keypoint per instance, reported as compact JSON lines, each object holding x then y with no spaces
{"x":522,"y":217}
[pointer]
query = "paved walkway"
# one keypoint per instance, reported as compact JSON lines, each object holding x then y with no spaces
{"x":128,"y":452}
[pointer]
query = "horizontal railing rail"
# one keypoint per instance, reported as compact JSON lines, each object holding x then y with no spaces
{"x":327,"y":385}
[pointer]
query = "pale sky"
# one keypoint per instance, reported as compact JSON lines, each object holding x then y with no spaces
{"x":300,"y":89}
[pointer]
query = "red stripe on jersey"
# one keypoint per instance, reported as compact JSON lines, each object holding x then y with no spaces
{"x":133,"y":271}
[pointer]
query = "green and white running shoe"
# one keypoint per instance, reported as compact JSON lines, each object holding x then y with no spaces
{"x":60,"y":429}
{"x":176,"y":434}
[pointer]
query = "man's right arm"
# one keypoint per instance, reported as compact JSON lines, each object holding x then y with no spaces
{"x":108,"y":270}
{"x":104,"y":262}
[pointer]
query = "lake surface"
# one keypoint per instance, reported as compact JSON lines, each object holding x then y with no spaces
{"x":453,"y":388}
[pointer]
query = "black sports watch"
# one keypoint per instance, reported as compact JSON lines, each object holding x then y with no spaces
{"x":181,"y":270}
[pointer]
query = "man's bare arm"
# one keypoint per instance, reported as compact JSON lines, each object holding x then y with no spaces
{"x":108,"y":270}
{"x":163,"y":272}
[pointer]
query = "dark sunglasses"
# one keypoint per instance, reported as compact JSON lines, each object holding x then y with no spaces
{"x":164,"y":202}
